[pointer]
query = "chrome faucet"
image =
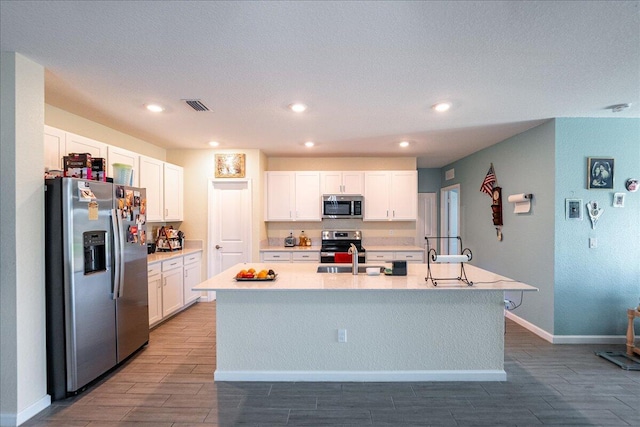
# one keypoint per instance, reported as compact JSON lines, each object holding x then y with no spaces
{"x":353,"y":251}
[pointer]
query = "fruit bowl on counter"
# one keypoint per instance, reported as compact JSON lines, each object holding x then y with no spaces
{"x":252,"y":275}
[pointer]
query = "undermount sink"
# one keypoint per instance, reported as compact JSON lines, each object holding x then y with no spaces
{"x":345,"y":269}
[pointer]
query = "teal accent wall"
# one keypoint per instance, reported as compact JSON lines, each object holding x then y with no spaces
{"x":583,"y":292}
{"x":523,"y":164}
{"x":429,"y":180}
{"x":594,"y":287}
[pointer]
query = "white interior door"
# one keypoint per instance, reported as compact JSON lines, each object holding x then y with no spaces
{"x":450,"y":219}
{"x":230,"y":231}
{"x":427,"y":220}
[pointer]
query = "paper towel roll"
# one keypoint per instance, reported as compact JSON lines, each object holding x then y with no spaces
{"x":522,"y":202}
{"x":452,"y":258}
{"x":515,"y":198}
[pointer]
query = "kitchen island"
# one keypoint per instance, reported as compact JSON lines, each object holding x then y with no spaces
{"x":396,"y":328}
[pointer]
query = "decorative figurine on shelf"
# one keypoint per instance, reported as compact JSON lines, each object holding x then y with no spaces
{"x":594,"y":212}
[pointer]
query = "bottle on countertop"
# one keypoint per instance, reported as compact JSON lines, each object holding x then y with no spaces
{"x":302,"y":241}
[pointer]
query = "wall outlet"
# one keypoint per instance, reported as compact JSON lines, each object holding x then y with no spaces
{"x":593,"y":242}
{"x":342,"y":335}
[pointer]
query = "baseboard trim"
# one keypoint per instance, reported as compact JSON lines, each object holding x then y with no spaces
{"x":27,"y":414}
{"x":566,"y":339}
{"x":361,"y":376}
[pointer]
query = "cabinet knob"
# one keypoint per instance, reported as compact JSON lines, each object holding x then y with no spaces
{"x":218,"y":247}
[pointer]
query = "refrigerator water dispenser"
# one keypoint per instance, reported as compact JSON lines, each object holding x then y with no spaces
{"x":94,"y":251}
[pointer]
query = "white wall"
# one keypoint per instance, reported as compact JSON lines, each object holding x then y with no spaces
{"x":23,"y":377}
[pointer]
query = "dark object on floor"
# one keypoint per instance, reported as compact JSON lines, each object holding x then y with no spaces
{"x":621,"y":359}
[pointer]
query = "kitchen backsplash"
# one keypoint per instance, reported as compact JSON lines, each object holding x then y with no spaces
{"x":371,"y":241}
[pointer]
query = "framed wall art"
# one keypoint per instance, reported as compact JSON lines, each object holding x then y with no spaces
{"x":229,"y":166}
{"x":600,"y":173}
{"x":618,"y":200}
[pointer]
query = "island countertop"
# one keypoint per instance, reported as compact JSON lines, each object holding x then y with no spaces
{"x":303,"y":276}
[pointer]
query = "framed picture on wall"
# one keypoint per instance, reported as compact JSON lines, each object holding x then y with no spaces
{"x":229,"y":166}
{"x":600,"y":173}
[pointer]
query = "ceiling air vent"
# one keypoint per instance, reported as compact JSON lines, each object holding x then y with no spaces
{"x":196,"y":104}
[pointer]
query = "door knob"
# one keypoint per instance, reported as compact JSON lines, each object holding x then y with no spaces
{"x":218,"y":247}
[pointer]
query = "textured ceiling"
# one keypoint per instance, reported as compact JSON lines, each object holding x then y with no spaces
{"x":369,"y":71}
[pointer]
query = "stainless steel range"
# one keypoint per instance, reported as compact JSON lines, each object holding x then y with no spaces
{"x":336,"y":243}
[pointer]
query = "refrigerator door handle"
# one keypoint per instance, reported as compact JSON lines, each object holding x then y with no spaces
{"x":121,"y":257}
{"x":116,"y":252}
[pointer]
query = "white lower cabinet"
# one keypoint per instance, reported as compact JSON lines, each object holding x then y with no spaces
{"x":172,"y":286}
{"x":155,"y":292}
{"x":388,"y":256}
{"x":290,"y":256}
{"x":192,"y":267}
{"x":305,"y":256}
{"x":276,"y":256}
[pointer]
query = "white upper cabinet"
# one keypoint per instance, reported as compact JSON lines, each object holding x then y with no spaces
{"x":54,"y":148}
{"x":280,"y":196}
{"x":404,"y":195}
{"x":345,"y":182}
{"x":292,"y":196}
{"x":126,"y":157}
{"x":80,"y":144}
{"x":152,"y":178}
{"x":376,"y":196}
{"x":391,"y":196}
{"x":307,"y":200}
{"x":173,"y":192}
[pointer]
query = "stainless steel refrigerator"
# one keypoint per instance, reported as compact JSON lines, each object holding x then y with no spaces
{"x":96,"y":280}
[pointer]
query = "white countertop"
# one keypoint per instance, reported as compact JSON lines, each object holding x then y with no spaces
{"x":163,"y":256}
{"x":303,"y":276}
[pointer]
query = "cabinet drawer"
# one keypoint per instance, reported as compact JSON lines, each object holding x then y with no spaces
{"x":276,"y":256}
{"x":195,"y":257}
{"x":306,"y":256}
{"x":154,"y":268}
{"x":410,"y":256}
{"x":171,"y":263}
{"x":379,"y":256}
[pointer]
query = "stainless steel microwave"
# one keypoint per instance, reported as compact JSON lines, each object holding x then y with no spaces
{"x":339,"y":206}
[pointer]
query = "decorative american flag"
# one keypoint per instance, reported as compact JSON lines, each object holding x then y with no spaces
{"x":489,"y":181}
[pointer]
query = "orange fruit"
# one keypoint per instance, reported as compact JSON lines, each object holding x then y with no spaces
{"x":251,"y":270}
{"x":262,"y":274}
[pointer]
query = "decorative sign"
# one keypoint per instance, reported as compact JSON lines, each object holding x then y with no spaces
{"x":229,"y":166}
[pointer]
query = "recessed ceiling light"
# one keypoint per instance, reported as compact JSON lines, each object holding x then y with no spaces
{"x":404,"y":144}
{"x":441,"y":107}
{"x":309,"y":144}
{"x":297,"y":107}
{"x":155,"y":108}
{"x":214,"y":143}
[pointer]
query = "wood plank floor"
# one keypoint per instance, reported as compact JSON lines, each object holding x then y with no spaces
{"x":170,"y":383}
